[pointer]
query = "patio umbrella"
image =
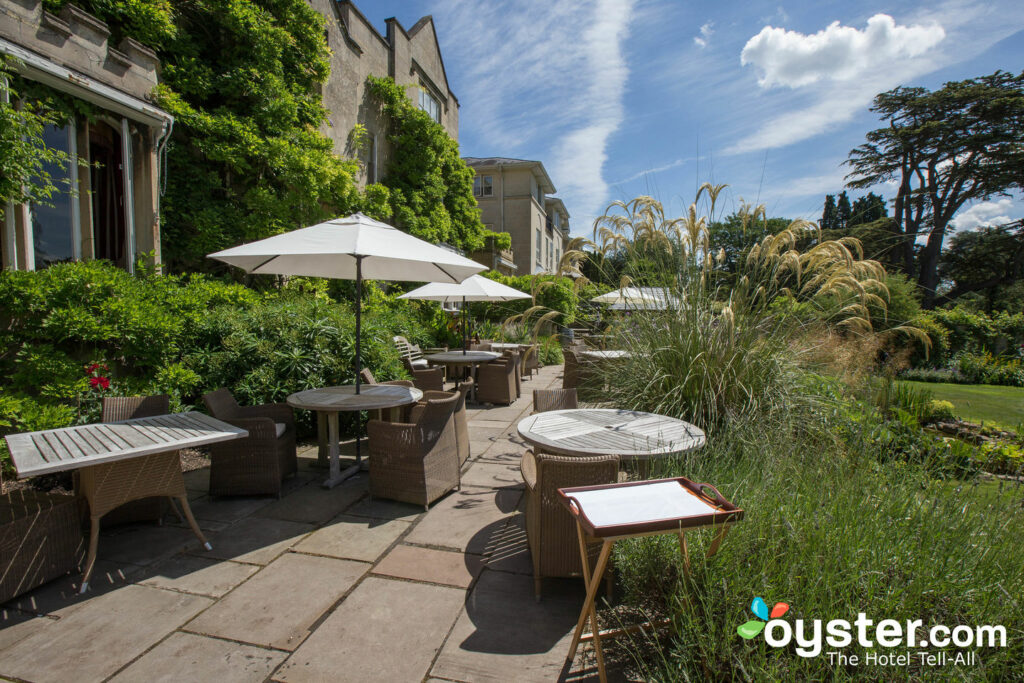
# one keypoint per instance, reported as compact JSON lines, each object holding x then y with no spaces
{"x":353,"y":248}
{"x":641,"y":298}
{"x":475,"y":288}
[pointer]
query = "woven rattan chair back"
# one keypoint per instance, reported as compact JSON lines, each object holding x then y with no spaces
{"x":550,"y":529}
{"x":571,"y":372}
{"x":117,"y":408}
{"x":554,"y":399}
{"x":222,"y":405}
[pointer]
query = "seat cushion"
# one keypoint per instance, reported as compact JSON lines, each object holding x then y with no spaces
{"x":420,"y":363}
{"x":279,"y":428}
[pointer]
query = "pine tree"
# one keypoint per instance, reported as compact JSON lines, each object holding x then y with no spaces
{"x":828,"y":216}
{"x":843,"y":211}
{"x":868,"y":209}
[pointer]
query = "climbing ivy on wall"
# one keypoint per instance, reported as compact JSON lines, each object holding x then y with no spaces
{"x":247,"y":159}
{"x":430,"y":187}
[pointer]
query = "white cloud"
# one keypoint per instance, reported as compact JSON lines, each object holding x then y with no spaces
{"x":988,"y":213}
{"x":534,"y":86}
{"x":706,"y":30}
{"x":842,"y":69}
{"x":838,"y":53}
{"x":654,"y":170}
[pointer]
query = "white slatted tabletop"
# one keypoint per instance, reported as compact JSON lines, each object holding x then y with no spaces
{"x":610,"y":354}
{"x":55,"y":450}
{"x":601,"y":431}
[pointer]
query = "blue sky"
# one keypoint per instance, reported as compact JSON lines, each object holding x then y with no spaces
{"x":620,"y":98}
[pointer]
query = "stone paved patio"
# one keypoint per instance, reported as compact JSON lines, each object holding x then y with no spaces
{"x":317,"y":586}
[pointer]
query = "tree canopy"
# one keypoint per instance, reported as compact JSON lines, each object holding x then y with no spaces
{"x":988,"y":261}
{"x":961,"y":143}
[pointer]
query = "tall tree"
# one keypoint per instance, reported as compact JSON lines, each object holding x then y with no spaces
{"x":961,"y":143}
{"x":988,"y":261}
{"x":868,"y":209}
{"x":828,"y":215}
{"x":843,"y":211}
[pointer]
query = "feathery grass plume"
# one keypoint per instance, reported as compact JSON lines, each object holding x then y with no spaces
{"x":718,"y":353}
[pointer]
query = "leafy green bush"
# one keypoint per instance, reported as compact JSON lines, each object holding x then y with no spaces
{"x":938,"y":410}
{"x":549,"y":351}
{"x":984,"y":368}
{"x":1002,"y":458}
{"x":934,"y":375}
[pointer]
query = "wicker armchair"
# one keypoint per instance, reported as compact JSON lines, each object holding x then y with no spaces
{"x":496,"y":382}
{"x":531,"y":360}
{"x":517,"y":359}
{"x":418,"y":461}
{"x":571,"y":373}
{"x":366,"y":377}
{"x":115,"y":409}
{"x":426,"y":379}
{"x":550,"y":529}
{"x":462,"y":421}
{"x":258,"y":463}
{"x":40,"y":539}
{"x":554,"y":399}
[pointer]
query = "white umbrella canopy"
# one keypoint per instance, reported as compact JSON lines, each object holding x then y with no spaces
{"x":650,"y":298}
{"x":351,"y":248}
{"x":473,"y":288}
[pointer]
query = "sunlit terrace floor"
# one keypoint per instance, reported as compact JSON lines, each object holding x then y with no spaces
{"x":317,"y":586}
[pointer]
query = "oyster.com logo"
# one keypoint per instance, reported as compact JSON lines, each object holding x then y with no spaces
{"x":887,"y":642}
{"x":760,"y":609}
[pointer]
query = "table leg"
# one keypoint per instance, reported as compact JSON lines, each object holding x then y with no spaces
{"x":336,"y":476}
{"x":589,"y":609}
{"x":90,"y":558}
{"x":322,"y":451}
{"x":192,"y":522}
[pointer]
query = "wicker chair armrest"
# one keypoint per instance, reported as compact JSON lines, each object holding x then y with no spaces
{"x":258,"y":427}
{"x":400,"y":383}
{"x":528,"y":468}
{"x":391,"y":431}
{"x":277,"y":412}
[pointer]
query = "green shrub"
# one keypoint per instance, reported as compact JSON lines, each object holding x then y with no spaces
{"x":938,"y":410}
{"x":549,"y":351}
{"x":934,"y":375}
{"x":1002,"y":458}
{"x":984,"y":368}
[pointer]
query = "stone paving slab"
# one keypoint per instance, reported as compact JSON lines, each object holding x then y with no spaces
{"x":221,"y":509}
{"x":277,"y":606}
{"x":433,"y":566}
{"x":101,"y":636}
{"x":142,"y":544}
{"x":314,"y":504}
{"x":504,"y":634}
{"x":380,"y":508}
{"x":256,"y":540}
{"x":493,"y":475}
{"x":188,"y":658}
{"x":384,"y":631}
{"x":61,"y":595}
{"x":465,"y":520}
{"x":199,"y":575}
{"x":354,"y":538}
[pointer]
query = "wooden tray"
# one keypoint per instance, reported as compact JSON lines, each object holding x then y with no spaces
{"x":644,"y":507}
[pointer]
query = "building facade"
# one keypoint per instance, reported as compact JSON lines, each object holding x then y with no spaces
{"x":108,"y":205}
{"x":411,"y":57}
{"x":513,"y":198}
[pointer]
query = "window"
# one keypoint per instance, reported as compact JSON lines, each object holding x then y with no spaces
{"x":371,"y":159}
{"x":53,"y":223}
{"x":429,"y":104}
{"x":483,"y":186}
{"x":540,"y":248}
{"x":540,"y":195}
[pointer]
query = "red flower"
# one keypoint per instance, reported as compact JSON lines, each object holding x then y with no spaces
{"x":104,"y":382}
{"x":99,"y":382}
{"x":92,"y":368}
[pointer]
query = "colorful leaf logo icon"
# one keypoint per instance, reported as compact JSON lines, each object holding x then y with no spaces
{"x":760,"y":609}
{"x":750,"y":629}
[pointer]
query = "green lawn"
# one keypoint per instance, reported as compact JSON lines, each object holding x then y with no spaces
{"x":1001,"y":405}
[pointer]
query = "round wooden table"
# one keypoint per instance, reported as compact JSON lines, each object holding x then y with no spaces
{"x":470,"y":358}
{"x":330,"y":401}
{"x":629,"y":434}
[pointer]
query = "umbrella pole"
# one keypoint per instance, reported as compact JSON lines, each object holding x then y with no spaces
{"x":359,"y":360}
{"x":465,"y":326}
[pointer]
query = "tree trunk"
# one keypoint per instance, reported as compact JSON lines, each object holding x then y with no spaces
{"x":928,"y":277}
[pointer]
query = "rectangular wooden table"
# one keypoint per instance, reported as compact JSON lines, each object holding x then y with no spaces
{"x":119,"y":462}
{"x":612,"y":512}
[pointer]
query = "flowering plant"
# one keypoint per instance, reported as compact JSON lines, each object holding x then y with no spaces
{"x":90,"y":400}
